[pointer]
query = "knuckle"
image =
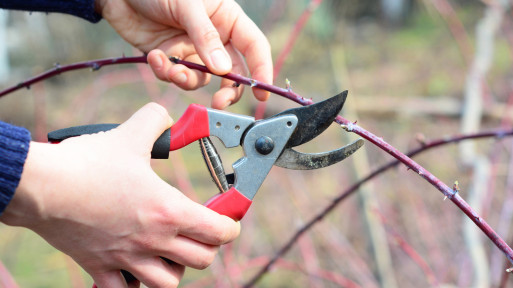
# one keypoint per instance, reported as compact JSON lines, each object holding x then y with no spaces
{"x":220,"y":236}
{"x":158,"y":110}
{"x":170,"y":283}
{"x":205,"y":261}
{"x":210,"y":35}
{"x":146,"y":244}
{"x":167,"y":216}
{"x":161,"y":76}
{"x":186,"y":86}
{"x":160,"y":73}
{"x":224,"y":231}
{"x":120,"y":258}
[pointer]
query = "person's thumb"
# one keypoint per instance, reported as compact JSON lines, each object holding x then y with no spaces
{"x":147,"y":124}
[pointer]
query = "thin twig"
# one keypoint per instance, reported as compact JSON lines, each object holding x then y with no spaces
{"x":456,"y":27}
{"x":410,"y":251}
{"x":58,"y":69}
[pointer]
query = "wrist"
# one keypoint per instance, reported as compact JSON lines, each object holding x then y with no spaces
{"x":26,"y":207}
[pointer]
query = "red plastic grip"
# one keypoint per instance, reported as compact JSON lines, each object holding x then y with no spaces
{"x":192,"y":126}
{"x":230,"y":203}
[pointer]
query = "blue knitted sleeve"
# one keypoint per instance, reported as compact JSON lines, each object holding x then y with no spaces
{"x":80,"y":8}
{"x":14,"y":146}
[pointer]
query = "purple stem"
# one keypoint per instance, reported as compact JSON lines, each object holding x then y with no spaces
{"x":58,"y":69}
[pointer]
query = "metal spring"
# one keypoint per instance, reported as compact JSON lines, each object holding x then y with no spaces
{"x":214,"y":164}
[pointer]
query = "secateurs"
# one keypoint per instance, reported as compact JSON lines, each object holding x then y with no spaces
{"x":265,"y":143}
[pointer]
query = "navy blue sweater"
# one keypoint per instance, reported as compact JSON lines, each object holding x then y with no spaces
{"x":15,"y":141}
{"x":80,"y":8}
{"x":14,"y":145}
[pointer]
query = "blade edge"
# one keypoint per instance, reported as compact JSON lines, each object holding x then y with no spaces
{"x":314,"y":119}
{"x":292,"y":159}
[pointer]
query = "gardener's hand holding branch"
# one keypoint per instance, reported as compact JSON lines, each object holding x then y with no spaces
{"x":216,"y":33}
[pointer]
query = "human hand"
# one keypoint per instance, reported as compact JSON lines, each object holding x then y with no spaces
{"x":96,"y":198}
{"x":216,"y":33}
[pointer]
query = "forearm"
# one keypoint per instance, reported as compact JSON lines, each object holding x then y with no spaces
{"x":80,"y":8}
{"x":14,"y":146}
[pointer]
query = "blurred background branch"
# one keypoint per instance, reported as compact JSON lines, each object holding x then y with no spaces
{"x":473,"y":106}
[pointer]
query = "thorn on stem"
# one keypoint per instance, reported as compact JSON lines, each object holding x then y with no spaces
{"x":509,"y":270}
{"x":349,"y":127}
{"x":236,"y":84}
{"x":95,"y":67}
{"x":252,"y":82}
{"x":455,"y":188}
{"x":287,"y":85}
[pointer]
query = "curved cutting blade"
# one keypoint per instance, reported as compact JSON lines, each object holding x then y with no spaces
{"x":292,"y":159}
{"x":314,"y":119}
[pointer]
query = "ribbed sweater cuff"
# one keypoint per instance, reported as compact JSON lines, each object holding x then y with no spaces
{"x":80,"y":8}
{"x":14,"y":146}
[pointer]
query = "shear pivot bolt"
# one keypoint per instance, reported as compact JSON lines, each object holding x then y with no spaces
{"x":264,"y":145}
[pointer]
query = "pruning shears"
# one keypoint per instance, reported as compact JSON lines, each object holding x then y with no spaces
{"x":265,"y":143}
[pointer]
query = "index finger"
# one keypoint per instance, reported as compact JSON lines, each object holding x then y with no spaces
{"x":205,"y":36}
{"x":255,"y":47}
{"x":235,"y":26}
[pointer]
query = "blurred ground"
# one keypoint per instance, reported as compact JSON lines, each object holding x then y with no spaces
{"x":405,"y":81}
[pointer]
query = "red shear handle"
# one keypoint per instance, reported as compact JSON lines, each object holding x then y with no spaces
{"x":192,"y":126}
{"x":231,"y":203}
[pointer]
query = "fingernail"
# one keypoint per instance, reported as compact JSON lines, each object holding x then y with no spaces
{"x":179,"y":78}
{"x":220,"y":60}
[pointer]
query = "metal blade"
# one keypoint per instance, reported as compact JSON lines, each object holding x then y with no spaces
{"x":292,"y":159}
{"x":314,"y":119}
